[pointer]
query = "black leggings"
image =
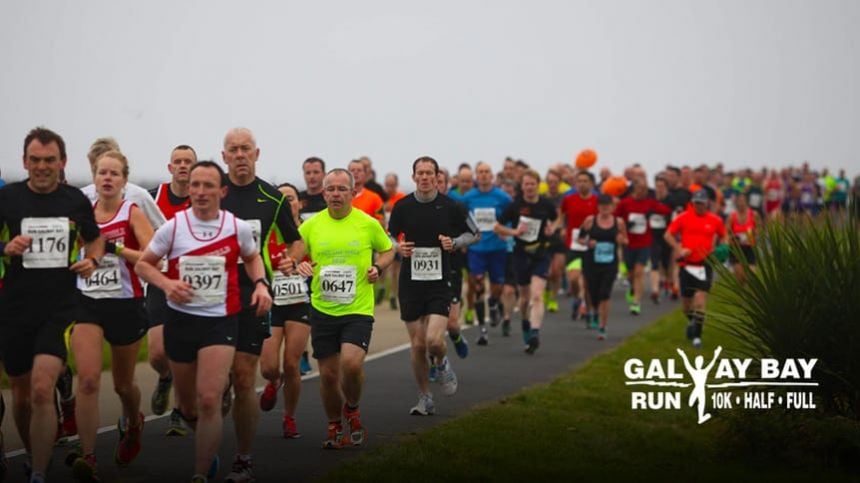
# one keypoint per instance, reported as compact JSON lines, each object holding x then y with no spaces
{"x":599,"y":280}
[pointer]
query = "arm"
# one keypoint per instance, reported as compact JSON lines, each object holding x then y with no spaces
{"x":142,"y":232}
{"x":621,"y":239}
{"x":176,"y":291}
{"x":95,"y":250}
{"x":383,"y":260}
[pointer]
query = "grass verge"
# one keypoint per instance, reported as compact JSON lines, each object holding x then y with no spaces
{"x":581,"y":427}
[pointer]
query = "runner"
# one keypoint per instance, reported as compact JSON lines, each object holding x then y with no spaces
{"x":393,"y":275}
{"x":603,"y":234}
{"x":485,"y":204}
{"x":341,"y":242}
{"x":170,"y":198}
{"x":312,"y":200}
{"x":458,"y":266}
{"x":465,"y":181}
{"x":697,"y":229}
{"x":574,"y":209}
{"x":555,"y":192}
{"x":290,"y":326}
{"x":431,"y":226}
{"x":635,"y":211}
{"x":261,"y":206}
{"x":43,"y":219}
{"x":510,"y":295}
{"x":536,"y":219}
{"x":742,"y":227}
{"x":111,"y":309}
{"x":365,"y":200}
{"x":661,"y":253}
{"x":678,"y":199}
{"x":203,"y":245}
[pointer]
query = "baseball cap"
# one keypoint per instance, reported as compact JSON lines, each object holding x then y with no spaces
{"x":700,"y":196}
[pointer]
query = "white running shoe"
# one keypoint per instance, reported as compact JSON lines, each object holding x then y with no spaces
{"x":448,"y":378}
{"x":425,"y":406}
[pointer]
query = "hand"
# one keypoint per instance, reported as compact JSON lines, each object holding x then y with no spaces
{"x":447,"y":243}
{"x":306,"y":269}
{"x":548,"y":230}
{"x":372,"y":274}
{"x":84,"y":268}
{"x":685,"y":252}
{"x":521,"y":230}
{"x":592,"y":243}
{"x":179,"y":292}
{"x":405,"y":249}
{"x":17,"y":246}
{"x":287,"y":265}
{"x":262,"y":299}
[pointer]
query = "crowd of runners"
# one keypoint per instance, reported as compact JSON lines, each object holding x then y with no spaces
{"x":227,"y":275}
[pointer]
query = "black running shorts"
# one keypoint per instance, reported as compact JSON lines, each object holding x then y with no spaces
{"x":185,"y":334}
{"x":329,"y":332}
{"x":123,"y":321}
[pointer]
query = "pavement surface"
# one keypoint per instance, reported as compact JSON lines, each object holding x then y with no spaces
{"x":489,"y":374}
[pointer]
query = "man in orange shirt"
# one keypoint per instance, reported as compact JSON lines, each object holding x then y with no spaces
{"x":364,"y":199}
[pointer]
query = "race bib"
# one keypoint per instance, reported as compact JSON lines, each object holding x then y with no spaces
{"x":50,"y":246}
{"x":207,"y":276}
{"x":755,"y":200}
{"x":532,"y":229}
{"x":485,"y":218}
{"x":337,"y":283}
{"x":289,"y":290}
{"x":806,"y":198}
{"x":744,"y":238}
{"x":773,"y":195}
{"x":697,"y":271}
{"x":427,"y":264}
{"x":604,"y":252}
{"x":574,"y":243}
{"x":657,"y":222}
{"x":106,"y":281}
{"x":638,"y":224}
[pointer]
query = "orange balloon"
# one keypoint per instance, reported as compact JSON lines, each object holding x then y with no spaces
{"x":586,"y":159}
{"x":614,"y":186}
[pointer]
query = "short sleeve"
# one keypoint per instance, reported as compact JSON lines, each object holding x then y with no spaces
{"x":379,"y":239}
{"x":245,"y":235}
{"x":85,"y":219}
{"x":162,"y":239}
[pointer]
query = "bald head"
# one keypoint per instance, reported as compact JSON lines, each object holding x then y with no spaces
{"x":240,"y":154}
{"x":240,"y":132}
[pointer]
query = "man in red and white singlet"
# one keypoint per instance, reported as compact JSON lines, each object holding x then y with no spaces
{"x":203,"y":245}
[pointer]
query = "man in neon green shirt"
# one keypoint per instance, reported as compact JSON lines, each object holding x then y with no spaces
{"x":340,"y":242}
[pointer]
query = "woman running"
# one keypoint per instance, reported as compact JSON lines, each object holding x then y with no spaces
{"x":291,"y":327}
{"x":603,"y":233}
{"x":742,"y":225}
{"x":111,"y":308}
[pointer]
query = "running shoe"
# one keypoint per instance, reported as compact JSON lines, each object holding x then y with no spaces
{"x":227,"y":398}
{"x":334,"y":436}
{"x":305,"y":364}
{"x":175,"y":426}
{"x":67,"y":410}
{"x":289,"y":426}
{"x":355,"y":433}
{"x":506,"y":328}
{"x":594,"y":321}
{"x":601,"y":333}
{"x":269,"y":396}
{"x":128,"y":446}
{"x":482,"y":339}
{"x":85,"y":469}
{"x":635,"y":309}
{"x":469,"y":317}
{"x":629,"y":296}
{"x":425,"y":406}
{"x":527,"y":331}
{"x":462,"y":346}
{"x":532,"y":345}
{"x":161,"y":395}
{"x":655,"y":297}
{"x":392,"y":302}
{"x":697,"y":342}
{"x":242,"y":471}
{"x":433,"y":374}
{"x":574,"y":308}
{"x":552,"y":305}
{"x":448,"y":378}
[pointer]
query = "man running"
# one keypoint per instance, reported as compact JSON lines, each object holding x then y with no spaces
{"x":312,"y":199}
{"x":262,"y":206}
{"x":392,"y":189}
{"x":431,"y":226}
{"x":486,"y":204}
{"x":457,"y":259}
{"x":170,"y":198}
{"x":574,"y":209}
{"x":533,"y":217}
{"x":44,"y":219}
{"x":697,"y":229}
{"x":203,"y":245}
{"x":341,"y":242}
{"x":365,"y":200}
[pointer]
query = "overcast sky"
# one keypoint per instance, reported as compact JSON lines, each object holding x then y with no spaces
{"x":745,"y":82}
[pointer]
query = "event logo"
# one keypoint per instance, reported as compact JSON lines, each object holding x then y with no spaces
{"x":790,"y":377}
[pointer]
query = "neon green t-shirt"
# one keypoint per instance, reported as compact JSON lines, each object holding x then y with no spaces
{"x":343,"y":252}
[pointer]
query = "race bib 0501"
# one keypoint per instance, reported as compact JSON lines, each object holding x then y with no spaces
{"x":289,"y":289}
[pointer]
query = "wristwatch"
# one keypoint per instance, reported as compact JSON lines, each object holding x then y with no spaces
{"x":264,"y":281}
{"x":118,"y":246}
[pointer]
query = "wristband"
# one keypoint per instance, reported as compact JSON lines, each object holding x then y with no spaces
{"x":378,"y":269}
{"x":110,"y":247}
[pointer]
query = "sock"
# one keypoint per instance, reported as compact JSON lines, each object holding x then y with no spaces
{"x":479,"y":311}
{"x":455,"y":336}
{"x":535,"y":332}
{"x":494,"y":303}
{"x":526,"y":325}
{"x":351,"y":408}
